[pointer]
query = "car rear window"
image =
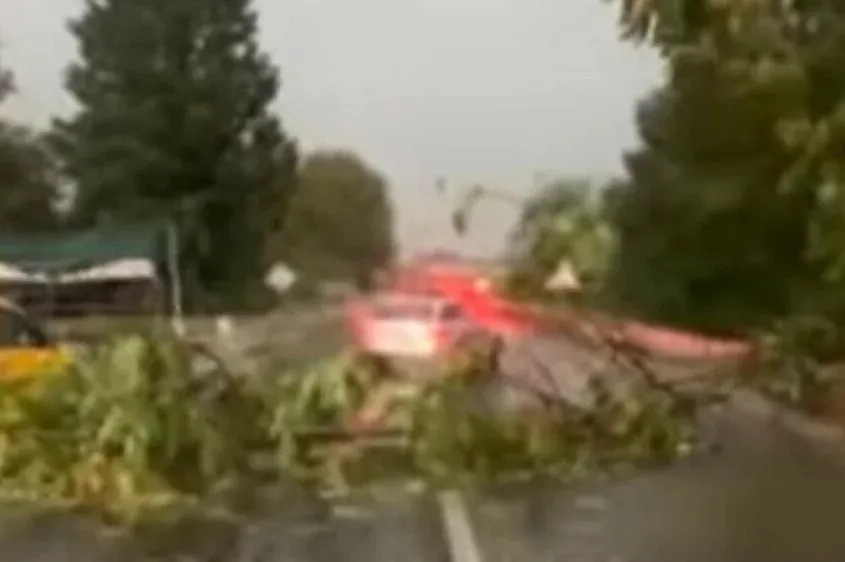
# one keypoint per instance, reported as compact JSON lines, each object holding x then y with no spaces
{"x":420,"y":310}
{"x":451,"y":312}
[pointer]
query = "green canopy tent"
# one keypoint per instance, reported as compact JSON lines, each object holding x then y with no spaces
{"x":65,"y":260}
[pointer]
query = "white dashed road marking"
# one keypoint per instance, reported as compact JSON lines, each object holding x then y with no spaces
{"x":457,"y":527}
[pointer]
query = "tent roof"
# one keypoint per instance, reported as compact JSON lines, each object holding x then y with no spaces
{"x":68,"y":250}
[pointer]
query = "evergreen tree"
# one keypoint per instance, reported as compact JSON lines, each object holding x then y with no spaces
{"x":175,"y":122}
{"x":735,"y":214}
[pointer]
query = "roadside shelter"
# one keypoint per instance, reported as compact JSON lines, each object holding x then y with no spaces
{"x":110,"y":269}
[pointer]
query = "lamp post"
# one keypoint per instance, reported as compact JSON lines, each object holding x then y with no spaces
{"x":178,"y":318}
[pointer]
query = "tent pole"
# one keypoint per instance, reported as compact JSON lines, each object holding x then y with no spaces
{"x":178,"y":319}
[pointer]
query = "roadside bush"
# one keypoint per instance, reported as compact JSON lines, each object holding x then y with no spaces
{"x":792,"y":361}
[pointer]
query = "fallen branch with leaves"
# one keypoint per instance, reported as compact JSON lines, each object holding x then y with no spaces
{"x":132,"y":428}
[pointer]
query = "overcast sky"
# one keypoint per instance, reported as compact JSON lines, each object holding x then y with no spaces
{"x":491,"y":91}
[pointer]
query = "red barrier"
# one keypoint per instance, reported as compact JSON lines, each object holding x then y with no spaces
{"x":657,"y":340}
{"x":669,"y":342}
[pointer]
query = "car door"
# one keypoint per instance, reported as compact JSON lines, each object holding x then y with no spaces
{"x":25,"y":350}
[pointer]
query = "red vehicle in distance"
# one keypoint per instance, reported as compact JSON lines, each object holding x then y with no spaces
{"x":431,"y":311}
{"x":471,"y":288}
{"x":410,"y":326}
{"x":435,"y":309}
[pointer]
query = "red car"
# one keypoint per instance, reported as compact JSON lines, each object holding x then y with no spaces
{"x":397,"y":325}
{"x":435,"y":311}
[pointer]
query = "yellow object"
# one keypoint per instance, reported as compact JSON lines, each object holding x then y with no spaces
{"x":25,"y":349}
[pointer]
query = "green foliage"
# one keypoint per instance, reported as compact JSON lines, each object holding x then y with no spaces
{"x":733,"y":220}
{"x":139,"y":425}
{"x":740,"y":174}
{"x":791,"y":366}
{"x":125,"y":429}
{"x":175,"y":121}
{"x":564,"y":222}
{"x":675,"y":24}
{"x":451,"y":440}
{"x":700,"y":220}
{"x":444,"y":432}
{"x":324,"y":397}
{"x":341,"y":221}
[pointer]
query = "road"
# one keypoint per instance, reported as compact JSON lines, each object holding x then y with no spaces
{"x":283,"y":338}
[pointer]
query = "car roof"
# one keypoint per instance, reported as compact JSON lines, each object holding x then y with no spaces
{"x":413,"y":304}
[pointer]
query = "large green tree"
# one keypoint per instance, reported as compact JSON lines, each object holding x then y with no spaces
{"x":175,"y":121}
{"x":28,"y":186}
{"x":749,"y":181}
{"x":698,"y":220}
{"x":341,"y":221}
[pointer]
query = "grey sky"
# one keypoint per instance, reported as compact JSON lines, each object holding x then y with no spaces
{"x":491,"y":91}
